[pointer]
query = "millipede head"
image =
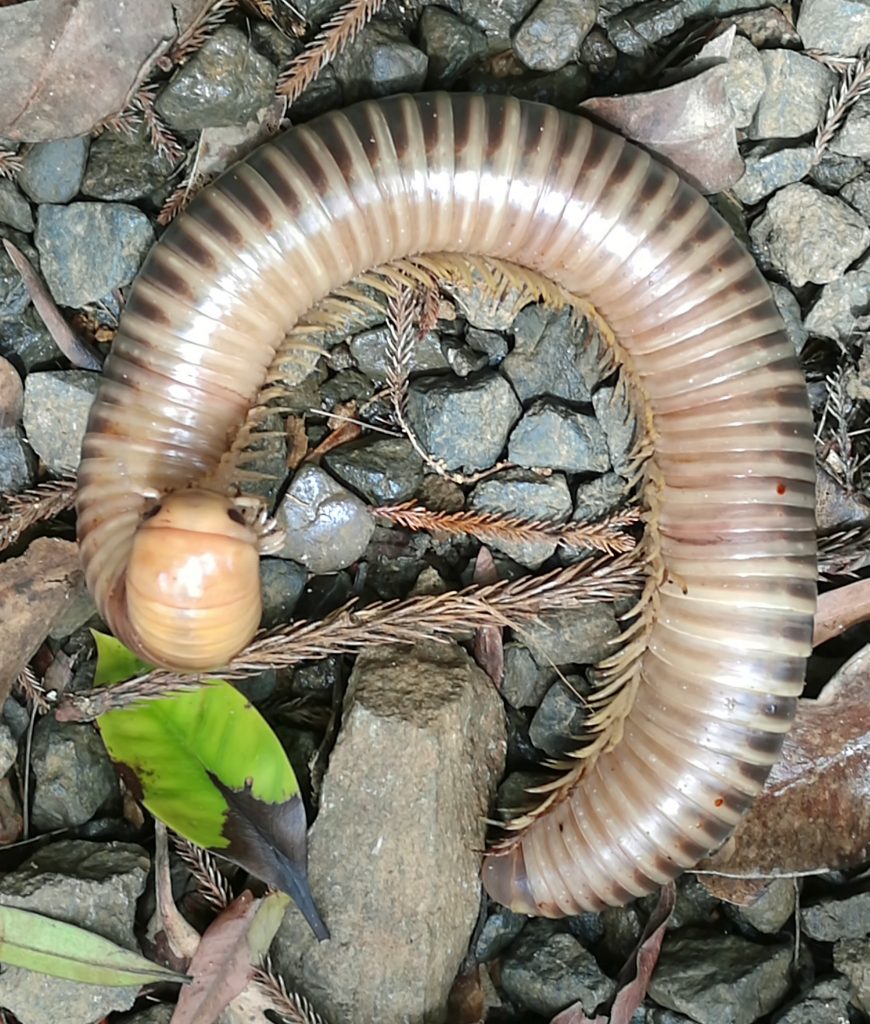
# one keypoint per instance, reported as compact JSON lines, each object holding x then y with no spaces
{"x":193,"y":581}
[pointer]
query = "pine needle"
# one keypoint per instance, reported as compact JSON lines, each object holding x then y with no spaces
{"x":336,"y":33}
{"x":21,"y":511}
{"x":350,"y":629}
{"x":854,"y":84}
{"x":605,"y":536}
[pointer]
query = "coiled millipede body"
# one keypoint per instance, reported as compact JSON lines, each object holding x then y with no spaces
{"x":732,"y":472}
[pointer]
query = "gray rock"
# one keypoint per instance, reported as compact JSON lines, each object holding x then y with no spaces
{"x":619,"y":423}
{"x":495,"y":20}
{"x":857,"y":194}
{"x":766,"y":173}
{"x":839,"y":305}
{"x":14,"y":297}
{"x":790,"y":311}
{"x":8,"y":749}
{"x":551,"y":34}
{"x":827,"y":1000}
{"x":451,"y":45}
{"x":517,"y":492}
{"x":224,"y":83}
{"x":557,"y":725}
{"x":369,"y":350}
{"x":56,"y":406}
{"x":323,"y":94}
{"x":125,"y":167}
{"x":87,"y":249}
{"x":395,"y":842}
{"x":379,"y":62}
{"x":283,"y":584}
{"x":382,"y":469}
{"x":720,"y":979}
{"x":327,"y":527}
{"x":490,"y":343}
{"x":514,"y":794}
{"x":598,"y":54}
{"x":319,"y":677}
{"x":550,"y":357}
{"x":572,"y":637}
{"x":277,"y":46}
{"x":525,"y":682}
{"x":73,"y":774}
{"x":546,"y":973}
{"x":552,"y":436}
{"x":92,"y":885}
{"x":598,"y":497}
{"x":808,"y":236}
{"x":464,"y":361}
{"x":853,"y":139}
{"x":498,"y":932}
{"x":463,"y":422}
{"x":694,"y":904}
{"x":621,"y":931}
{"x":25,"y":341}
{"x":852,"y":960}
{"x":17,"y":462}
{"x":744,"y":81}
{"x":835,"y":26}
{"x":343,"y":386}
{"x":833,"y":171}
{"x":768,"y":28}
{"x":634,"y":31}
{"x":848,"y":918}
{"x":586,"y":927}
{"x":52,"y":171}
{"x":773,"y":908}
{"x":795,"y":96}
{"x":14,"y":208}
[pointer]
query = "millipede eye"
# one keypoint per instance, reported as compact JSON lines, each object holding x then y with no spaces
{"x":236,"y":516}
{"x":153,"y":511}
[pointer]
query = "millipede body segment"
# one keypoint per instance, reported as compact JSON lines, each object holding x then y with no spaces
{"x":730,"y":481}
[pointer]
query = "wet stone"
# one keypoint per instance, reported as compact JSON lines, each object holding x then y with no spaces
{"x":17,"y":463}
{"x":827,"y":1000}
{"x":790,"y":311}
{"x":571,"y":636}
{"x":498,"y":932}
{"x":847,"y":918}
{"x":56,"y":407}
{"x":795,"y":96}
{"x":552,"y":436}
{"x":125,"y":167}
{"x":853,"y":139}
{"x":745,"y":81}
{"x":327,"y":527}
{"x":525,"y":682}
{"x":773,"y":909}
{"x":369,"y":350}
{"x":283,"y":583}
{"x":834,"y":26}
{"x":26,"y":343}
{"x":809,"y":236}
{"x":94,"y":886}
{"x":441,"y":495}
{"x":720,"y":979}
{"x":549,"y":357}
{"x":557,"y":725}
{"x":379,"y":62}
{"x":546,"y":973}
{"x":766,"y":173}
{"x":225,"y":82}
{"x":517,"y":492}
{"x":52,"y":171}
{"x":551,"y":34}
{"x":839,"y":305}
{"x":14,"y":208}
{"x":451,"y":45}
{"x":383,"y":470}
{"x":88,"y":249}
{"x":463,"y":422}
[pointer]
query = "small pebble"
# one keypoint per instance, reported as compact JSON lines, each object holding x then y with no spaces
{"x":451,"y":45}
{"x":552,"y":436}
{"x":125,"y":167}
{"x":834,"y":26}
{"x":283,"y":583}
{"x":773,"y":908}
{"x":832,"y":919}
{"x":500,"y":929}
{"x":525,"y":682}
{"x":765,"y":173}
{"x":745,"y":80}
{"x":853,"y":139}
{"x":369,"y":349}
{"x":549,"y":357}
{"x":384,"y":470}
{"x":56,"y":407}
{"x":52,"y":171}
{"x":379,"y":62}
{"x":835,"y":313}
{"x":14,"y":208}
{"x":795,"y":96}
{"x":571,"y":637}
{"x":551,"y":34}
{"x":557,"y":725}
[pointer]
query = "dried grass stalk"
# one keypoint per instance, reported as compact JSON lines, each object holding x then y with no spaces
{"x":854,"y":84}
{"x":211,"y":884}
{"x":292,"y":1007}
{"x":37,"y":505}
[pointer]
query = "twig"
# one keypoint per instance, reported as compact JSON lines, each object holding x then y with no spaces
{"x":34,"y":506}
{"x":854,"y":84}
{"x":605,"y":536}
{"x":350,"y":629}
{"x":336,"y":33}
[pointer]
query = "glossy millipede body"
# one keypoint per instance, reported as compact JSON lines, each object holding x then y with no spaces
{"x":731,"y":477}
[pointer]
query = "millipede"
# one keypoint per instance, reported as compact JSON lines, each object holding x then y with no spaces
{"x":728,"y":487}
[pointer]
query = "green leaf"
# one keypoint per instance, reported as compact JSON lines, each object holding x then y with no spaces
{"x":115,"y":663}
{"x":62,"y":950}
{"x":208,"y":765}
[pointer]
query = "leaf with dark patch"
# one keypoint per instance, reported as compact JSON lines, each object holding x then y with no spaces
{"x":813,"y":813}
{"x":689,"y":125}
{"x":209,"y":766}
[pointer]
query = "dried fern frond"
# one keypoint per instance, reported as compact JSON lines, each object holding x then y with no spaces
{"x":351,"y":629}
{"x":210,"y":883}
{"x":335,"y":34}
{"x":835,"y":434}
{"x":39,"y":504}
{"x":161,"y":138}
{"x":10,"y":163}
{"x":125,"y":122}
{"x":605,"y":535}
{"x":278,"y":12}
{"x":32,"y":690}
{"x":854,"y":84}
{"x":206,"y":23}
{"x":844,"y":552}
{"x":292,"y":1007}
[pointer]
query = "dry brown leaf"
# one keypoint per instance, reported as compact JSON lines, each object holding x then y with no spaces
{"x":297,"y":441}
{"x":66,"y":65}
{"x":840,"y":609}
{"x":814,"y":813}
{"x":487,"y":645}
{"x":634,"y":978}
{"x":344,"y":433}
{"x":689,"y":125}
